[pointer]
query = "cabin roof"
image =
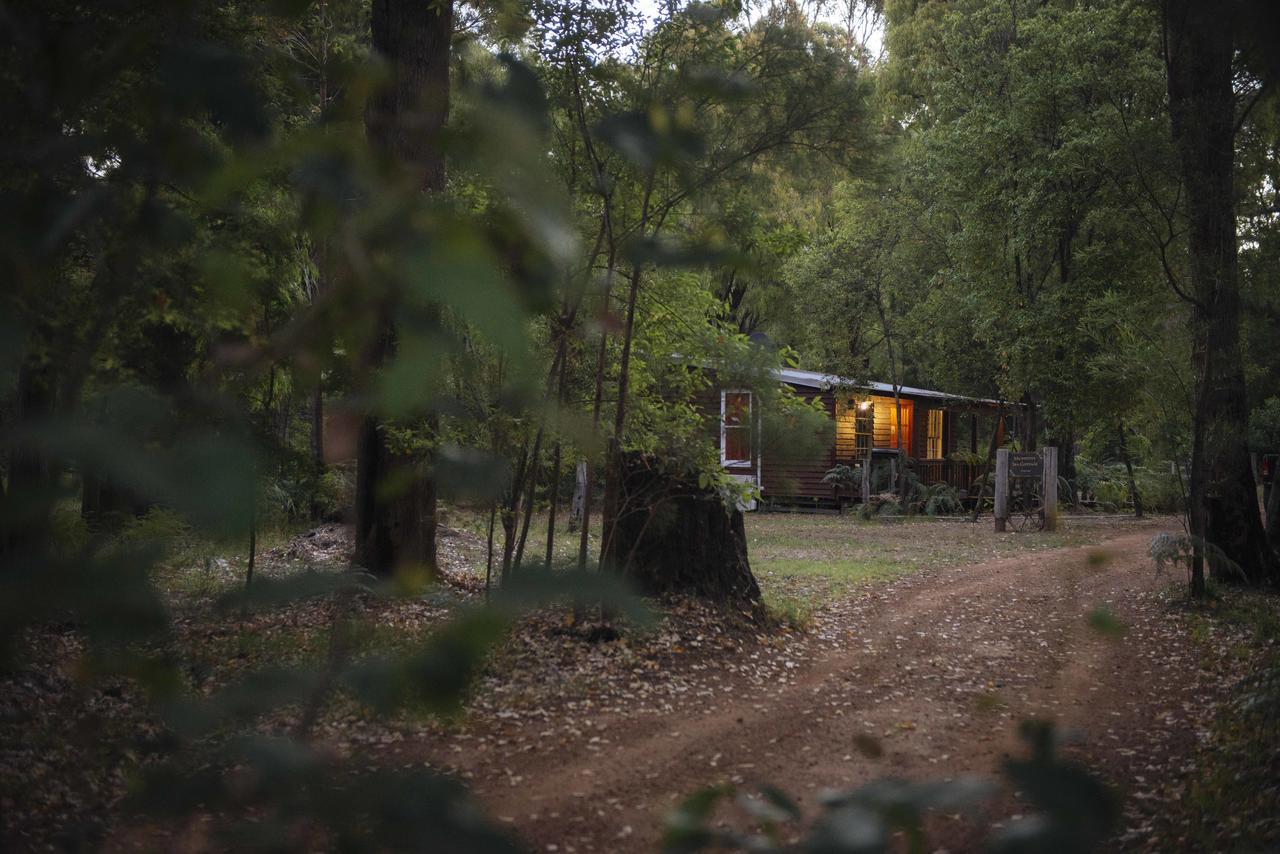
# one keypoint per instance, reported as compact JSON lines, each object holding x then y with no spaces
{"x":818,"y":380}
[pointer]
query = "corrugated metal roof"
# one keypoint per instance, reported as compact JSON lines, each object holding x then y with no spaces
{"x":818,"y":380}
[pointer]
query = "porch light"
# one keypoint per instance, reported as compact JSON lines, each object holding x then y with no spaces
{"x":864,"y":405}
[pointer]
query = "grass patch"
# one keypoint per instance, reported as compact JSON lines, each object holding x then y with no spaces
{"x":839,"y":575}
{"x":791,"y":611}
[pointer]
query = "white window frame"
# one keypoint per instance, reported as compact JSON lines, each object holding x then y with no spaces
{"x":750,"y":425}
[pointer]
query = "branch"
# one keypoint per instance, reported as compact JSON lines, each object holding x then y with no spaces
{"x":1248,"y":108}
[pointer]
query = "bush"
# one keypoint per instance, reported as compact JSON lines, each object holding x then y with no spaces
{"x":889,"y":507}
{"x":336,"y":491}
{"x":847,"y":479}
{"x":1108,"y":483}
{"x":1161,"y":490}
{"x":943,"y":500}
{"x":168,"y":533}
{"x":68,"y":530}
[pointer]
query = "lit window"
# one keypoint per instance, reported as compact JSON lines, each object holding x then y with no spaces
{"x":933,"y":445}
{"x":735,"y":428}
{"x":853,"y":428}
{"x":887,"y":412}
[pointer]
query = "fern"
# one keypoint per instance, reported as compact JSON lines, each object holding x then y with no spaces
{"x":1167,"y":550}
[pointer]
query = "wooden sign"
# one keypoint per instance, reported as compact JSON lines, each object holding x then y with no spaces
{"x":1042,"y":466}
{"x":1025,"y":464}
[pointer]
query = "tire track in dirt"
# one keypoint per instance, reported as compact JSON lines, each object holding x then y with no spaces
{"x":939,"y":669}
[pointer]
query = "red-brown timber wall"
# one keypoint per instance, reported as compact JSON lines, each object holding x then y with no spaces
{"x":785,"y":476}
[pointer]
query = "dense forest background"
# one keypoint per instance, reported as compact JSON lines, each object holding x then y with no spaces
{"x":995,"y":205}
{"x":271,"y":263}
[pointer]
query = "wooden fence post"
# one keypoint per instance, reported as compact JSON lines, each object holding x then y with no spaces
{"x":866,"y":480}
{"x":1049,"y":487}
{"x":1002,"y":489}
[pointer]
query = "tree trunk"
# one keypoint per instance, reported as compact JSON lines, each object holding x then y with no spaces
{"x":986,"y":468}
{"x":555,"y":474}
{"x":30,"y":475}
{"x":1273,"y":509}
{"x":488,"y":552}
{"x":554,"y":486}
{"x":588,"y":477}
{"x":104,"y":506}
{"x":535,"y":469}
{"x":901,"y":485}
{"x":404,"y":119}
{"x":253,"y":550}
{"x":678,"y":538}
{"x":1224,"y":504}
{"x":615,"y":467}
{"x":374,"y":545}
{"x":902,"y":463}
{"x":579,"y":495}
{"x":1128,"y":467}
{"x":1066,"y":446}
{"x":1030,"y":425}
{"x":320,"y":258}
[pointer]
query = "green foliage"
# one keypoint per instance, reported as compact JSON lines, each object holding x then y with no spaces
{"x":847,"y":479}
{"x":204,"y":249}
{"x":1264,"y":426}
{"x":1102,"y":621}
{"x":1108,"y":484}
{"x":931,"y":499}
{"x":1019,"y":233}
{"x":181,"y":192}
{"x":1169,"y":551}
{"x":1074,"y":811}
{"x":791,"y":611}
{"x":939,"y":499}
{"x":335,"y":491}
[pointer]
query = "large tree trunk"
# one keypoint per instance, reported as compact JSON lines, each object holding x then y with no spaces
{"x":404,"y":119}
{"x":1066,"y":445}
{"x":375,"y":546}
{"x":1273,"y":510}
{"x":1224,"y":504}
{"x":673,"y":537}
{"x":30,"y":471}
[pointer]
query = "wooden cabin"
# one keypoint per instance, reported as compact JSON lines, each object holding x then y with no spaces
{"x":935,"y":426}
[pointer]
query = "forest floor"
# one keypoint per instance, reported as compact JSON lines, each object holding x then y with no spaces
{"x":909,"y":650}
{"x":935,"y":667}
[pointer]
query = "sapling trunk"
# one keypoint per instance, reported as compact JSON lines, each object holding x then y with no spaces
{"x":555,"y":478}
{"x":488,"y":554}
{"x":1128,"y":467}
{"x":584,"y":539}
{"x":986,"y":466}
{"x":535,"y":467}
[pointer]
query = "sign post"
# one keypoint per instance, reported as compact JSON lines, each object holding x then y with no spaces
{"x":1027,"y":465}
{"x":1049,"y":488}
{"x":1002,"y":489}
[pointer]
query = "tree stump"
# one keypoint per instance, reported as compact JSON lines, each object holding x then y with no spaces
{"x":672,"y":536}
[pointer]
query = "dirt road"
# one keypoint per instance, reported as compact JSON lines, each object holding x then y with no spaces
{"x":938,"y":667}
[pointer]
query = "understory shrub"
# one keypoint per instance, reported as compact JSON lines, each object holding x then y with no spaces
{"x":336,"y":491}
{"x":1108,"y":484}
{"x":933,"y":499}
